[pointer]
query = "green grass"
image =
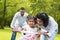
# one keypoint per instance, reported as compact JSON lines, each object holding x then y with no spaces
{"x":6,"y":34}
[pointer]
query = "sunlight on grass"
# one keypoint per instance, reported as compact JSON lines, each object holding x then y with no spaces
{"x":57,"y":37}
{"x":6,"y":34}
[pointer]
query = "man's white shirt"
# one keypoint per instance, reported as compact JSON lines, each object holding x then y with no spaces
{"x":18,"y":20}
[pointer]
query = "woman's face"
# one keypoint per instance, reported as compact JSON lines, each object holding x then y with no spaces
{"x":39,"y":22}
{"x":31,"y":22}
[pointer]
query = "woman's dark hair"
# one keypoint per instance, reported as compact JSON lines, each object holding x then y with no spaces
{"x":44,"y":17}
{"x":35,"y":19}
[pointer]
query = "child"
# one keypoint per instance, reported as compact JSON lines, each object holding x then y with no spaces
{"x":29,"y":31}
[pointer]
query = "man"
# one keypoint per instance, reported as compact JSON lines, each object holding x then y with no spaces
{"x":19,"y":20}
{"x":48,"y":25}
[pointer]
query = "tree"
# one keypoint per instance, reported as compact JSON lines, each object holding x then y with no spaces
{"x":3,"y":16}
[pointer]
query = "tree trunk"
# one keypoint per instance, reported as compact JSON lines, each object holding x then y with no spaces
{"x":4,"y":12}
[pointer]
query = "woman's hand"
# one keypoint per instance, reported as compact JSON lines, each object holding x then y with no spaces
{"x":44,"y":33}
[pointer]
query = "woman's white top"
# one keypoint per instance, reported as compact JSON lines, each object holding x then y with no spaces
{"x":51,"y":28}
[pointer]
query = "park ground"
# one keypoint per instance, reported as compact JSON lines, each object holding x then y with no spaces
{"x":5,"y":34}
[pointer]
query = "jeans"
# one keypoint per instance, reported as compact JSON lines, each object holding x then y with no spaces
{"x":13,"y":36}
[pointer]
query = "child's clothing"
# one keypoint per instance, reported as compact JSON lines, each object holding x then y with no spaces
{"x":29,"y":33}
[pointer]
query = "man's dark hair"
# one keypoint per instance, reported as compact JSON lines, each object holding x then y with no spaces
{"x":44,"y":17}
{"x":22,"y":8}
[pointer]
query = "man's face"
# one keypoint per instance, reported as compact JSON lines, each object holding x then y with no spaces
{"x":22,"y":12}
{"x":39,"y":22}
{"x":31,"y":22}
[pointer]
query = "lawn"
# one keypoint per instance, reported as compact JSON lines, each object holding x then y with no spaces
{"x":6,"y":34}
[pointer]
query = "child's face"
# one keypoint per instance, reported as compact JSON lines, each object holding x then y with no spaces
{"x":31,"y":23}
{"x":39,"y":22}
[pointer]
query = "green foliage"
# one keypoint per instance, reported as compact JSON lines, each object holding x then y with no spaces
{"x":51,"y":7}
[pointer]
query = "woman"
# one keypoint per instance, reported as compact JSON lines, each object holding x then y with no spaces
{"x":48,"y":25}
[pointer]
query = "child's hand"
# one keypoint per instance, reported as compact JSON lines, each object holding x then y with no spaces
{"x":39,"y":32}
{"x":42,"y":33}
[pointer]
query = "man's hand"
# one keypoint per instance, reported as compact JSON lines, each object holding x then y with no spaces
{"x":15,"y":29}
{"x":24,"y":29}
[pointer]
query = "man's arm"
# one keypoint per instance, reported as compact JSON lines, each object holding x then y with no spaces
{"x":14,"y":20}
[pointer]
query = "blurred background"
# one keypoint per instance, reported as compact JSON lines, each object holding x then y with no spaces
{"x":9,"y":7}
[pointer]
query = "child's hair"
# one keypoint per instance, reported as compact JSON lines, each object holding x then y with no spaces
{"x":30,"y":17}
{"x":44,"y":17}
